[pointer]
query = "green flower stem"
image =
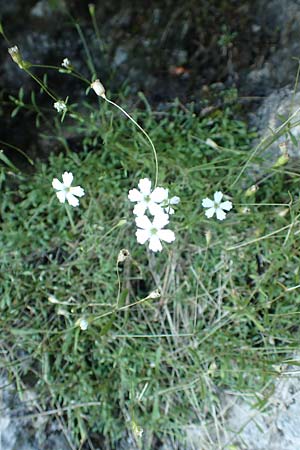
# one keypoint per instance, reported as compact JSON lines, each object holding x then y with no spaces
{"x":70,"y":218}
{"x":43,"y":86}
{"x":143,"y":131}
{"x":71,"y":72}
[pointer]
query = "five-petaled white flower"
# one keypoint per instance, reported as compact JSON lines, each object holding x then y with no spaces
{"x":65,"y":191}
{"x":153,"y":231}
{"x":167,"y":205}
{"x":60,"y":106}
{"x":66,"y":63}
{"x":216,"y":206}
{"x":146,"y":199}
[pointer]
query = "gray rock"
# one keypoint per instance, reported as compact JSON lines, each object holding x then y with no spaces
{"x":19,"y":433}
{"x":270,"y":116}
{"x":278,"y":21}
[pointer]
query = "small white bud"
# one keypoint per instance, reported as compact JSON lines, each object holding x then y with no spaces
{"x":98,"y":88}
{"x":52,"y":299}
{"x":283,"y":212}
{"x":66,"y":63}
{"x":208,"y":236}
{"x":137,"y":430}
{"x":211,"y":143}
{"x":251,"y":190}
{"x":123,"y":254}
{"x":283,"y":146}
{"x":60,"y":106}
{"x":82,"y":323}
{"x":154,"y":294}
{"x":16,"y":56}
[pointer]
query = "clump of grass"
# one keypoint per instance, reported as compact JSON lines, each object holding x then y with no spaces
{"x":228,"y":291}
{"x":224,"y":317}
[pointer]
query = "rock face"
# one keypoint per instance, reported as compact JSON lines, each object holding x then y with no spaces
{"x":19,"y":433}
{"x":276,"y":428}
{"x":274,"y":110}
{"x":277,"y":21}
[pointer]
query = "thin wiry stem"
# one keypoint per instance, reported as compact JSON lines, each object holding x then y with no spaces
{"x":143,"y":131}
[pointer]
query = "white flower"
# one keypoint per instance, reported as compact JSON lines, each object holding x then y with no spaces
{"x":60,"y":106}
{"x":82,"y":323}
{"x":66,"y":63}
{"x":98,"y":88}
{"x":172,"y":201}
{"x":216,"y":206}
{"x":146,"y":199}
{"x":153,"y":231}
{"x":65,"y":191}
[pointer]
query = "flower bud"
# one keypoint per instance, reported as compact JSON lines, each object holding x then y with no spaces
{"x":211,"y":143}
{"x":251,"y":190}
{"x":283,"y":146}
{"x":66,"y":63}
{"x":60,"y":106}
{"x":82,"y":323}
{"x":91,"y":7}
{"x":16,"y":56}
{"x":282,"y":160}
{"x":98,"y":88}
{"x":154,"y":294}
{"x":123,"y":254}
{"x":208,"y":236}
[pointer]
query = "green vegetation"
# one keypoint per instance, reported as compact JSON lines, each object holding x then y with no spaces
{"x":224,"y":318}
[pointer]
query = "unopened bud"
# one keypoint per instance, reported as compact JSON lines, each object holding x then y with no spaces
{"x":251,"y":190}
{"x":211,"y":143}
{"x":123,"y":254}
{"x":208,"y":237}
{"x":282,"y":160}
{"x":283,"y":147}
{"x":154,"y":294}
{"x":91,"y":8}
{"x":82,"y":323}
{"x":17,"y":57}
{"x":98,"y":88}
{"x":283,"y":212}
{"x":245,"y":210}
{"x":66,"y":63}
{"x":137,"y":430}
{"x":52,"y":299}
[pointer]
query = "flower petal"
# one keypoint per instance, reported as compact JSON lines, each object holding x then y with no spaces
{"x":77,"y":190}
{"x":134,"y":195}
{"x":67,"y":178}
{"x":155,"y":244}
{"x":160,"y":221}
{"x":56,"y":184}
{"x":72,"y":200}
{"x":139,"y":209}
{"x":155,"y":209}
{"x":220,"y":214}
{"x":145,"y":186}
{"x":143,"y":222}
{"x":218,"y":196}
{"x":166,"y":235}
{"x":207,"y":203}
{"x":226,"y":205}
{"x":61,"y":195}
{"x":174,"y":200}
{"x":159,"y":194}
{"x":210,"y":212}
{"x":142,"y":236}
